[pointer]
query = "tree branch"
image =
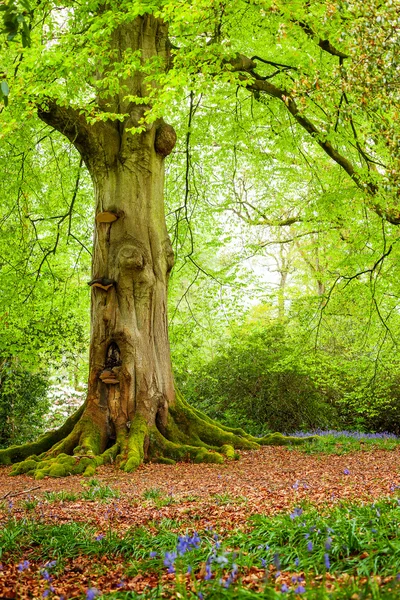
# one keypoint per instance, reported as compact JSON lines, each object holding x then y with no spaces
{"x":86,"y":138}
{"x":324,"y":44}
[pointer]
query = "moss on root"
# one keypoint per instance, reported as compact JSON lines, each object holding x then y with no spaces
{"x":77,"y":448}
{"x":135,"y":446}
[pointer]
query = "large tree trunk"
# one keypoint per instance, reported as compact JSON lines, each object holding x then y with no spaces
{"x":130,"y":366}
{"x":132,"y":412}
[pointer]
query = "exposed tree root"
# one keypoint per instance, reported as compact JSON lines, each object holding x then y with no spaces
{"x":81,"y":444}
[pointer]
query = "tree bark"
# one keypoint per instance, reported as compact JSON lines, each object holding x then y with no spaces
{"x":129,"y":329}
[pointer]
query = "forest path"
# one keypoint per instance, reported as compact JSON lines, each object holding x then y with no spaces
{"x":267,"y":481}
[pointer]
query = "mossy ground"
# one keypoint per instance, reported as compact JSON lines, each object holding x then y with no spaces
{"x":78,"y":447}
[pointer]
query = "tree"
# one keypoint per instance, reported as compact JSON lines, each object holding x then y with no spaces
{"x":103,"y":75}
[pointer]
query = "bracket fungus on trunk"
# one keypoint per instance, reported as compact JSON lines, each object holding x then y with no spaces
{"x":103,"y":283}
{"x":106,"y":217}
{"x":109,"y":376}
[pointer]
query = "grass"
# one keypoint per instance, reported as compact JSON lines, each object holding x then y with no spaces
{"x":158,"y":497}
{"x":347,"y":547}
{"x":344,"y":442}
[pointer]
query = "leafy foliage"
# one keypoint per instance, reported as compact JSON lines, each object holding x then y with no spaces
{"x":22,"y":402}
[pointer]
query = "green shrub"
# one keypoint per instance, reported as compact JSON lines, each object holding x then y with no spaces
{"x":22,"y":402}
{"x":259,"y":380}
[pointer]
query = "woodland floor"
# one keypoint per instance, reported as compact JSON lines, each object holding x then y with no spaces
{"x":219,"y":498}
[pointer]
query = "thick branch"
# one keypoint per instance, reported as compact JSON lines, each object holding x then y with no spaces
{"x":93,"y":142}
{"x":324,"y":44}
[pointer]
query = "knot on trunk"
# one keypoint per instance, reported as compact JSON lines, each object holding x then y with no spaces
{"x":165,"y":139}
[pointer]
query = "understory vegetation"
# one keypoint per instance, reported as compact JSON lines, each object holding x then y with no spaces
{"x":350,"y":551}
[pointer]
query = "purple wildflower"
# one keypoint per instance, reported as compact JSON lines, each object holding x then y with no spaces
{"x":296,"y":562}
{"x":328,"y":543}
{"x":46,"y":575}
{"x":99,"y":537}
{"x":295,"y":486}
{"x":263,"y":563}
{"x":46,"y":593}
{"x":346,"y":471}
{"x":300,"y":589}
{"x":284,"y":588}
{"x":277,"y":562}
{"x":296,"y":513}
{"x":310,"y":546}
{"x":189,"y":570}
{"x":327,"y":561}
{"x":92,"y":593}
{"x":169,"y":560}
{"x":153,"y":554}
{"x":208,"y":574}
{"x":23,"y":566}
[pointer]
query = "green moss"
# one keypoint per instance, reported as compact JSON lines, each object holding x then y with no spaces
{"x":57,"y":470}
{"x":24,"y":467}
{"x":165,"y":461}
{"x":277,"y":439}
{"x":40,"y":474}
{"x":207,"y":456}
{"x":89,"y":471}
{"x":228,"y":451}
{"x":109,"y":456}
{"x":135,"y":449}
{"x":90,"y":440}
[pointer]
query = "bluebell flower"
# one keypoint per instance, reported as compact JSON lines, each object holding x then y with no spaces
{"x":346,"y":471}
{"x":23,"y":566}
{"x":328,"y":543}
{"x":98,"y":538}
{"x":295,"y":486}
{"x":296,"y":513}
{"x":300,"y":589}
{"x":46,"y":593}
{"x":189,"y":570}
{"x":296,"y":561}
{"x":284,"y":588}
{"x":46,"y":575}
{"x":277,"y":562}
{"x":153,"y":554}
{"x":169,"y":560}
{"x":50,"y":564}
{"x":120,"y":584}
{"x":327,"y":561}
{"x":310,"y":546}
{"x":208,"y":574}
{"x":263,"y":563}
{"x":92,"y":593}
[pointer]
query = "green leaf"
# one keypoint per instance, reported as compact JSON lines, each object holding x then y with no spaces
{"x":5,"y":90}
